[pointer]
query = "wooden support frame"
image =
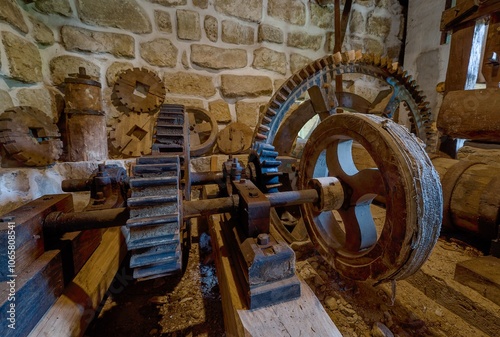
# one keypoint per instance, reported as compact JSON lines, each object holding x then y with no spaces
{"x":301,"y":317}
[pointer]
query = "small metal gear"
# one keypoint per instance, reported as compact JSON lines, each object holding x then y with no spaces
{"x":139,"y":90}
{"x":29,"y":136}
{"x":263,"y":167}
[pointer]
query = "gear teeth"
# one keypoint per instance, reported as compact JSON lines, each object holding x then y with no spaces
{"x":337,"y":58}
{"x":263,"y":156}
{"x":324,"y":70}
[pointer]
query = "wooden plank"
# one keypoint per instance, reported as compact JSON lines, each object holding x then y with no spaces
{"x":458,"y":13}
{"x":77,"y":248}
{"x":491,"y":72}
{"x":302,"y":317}
{"x":74,"y":310}
{"x":481,"y":274}
{"x":28,"y":221}
{"x":460,"y":50}
{"x":36,"y":289}
{"x":471,"y":114}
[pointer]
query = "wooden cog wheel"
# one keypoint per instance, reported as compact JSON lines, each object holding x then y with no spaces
{"x":139,"y":90}
{"x":132,"y":134}
{"x":202,"y":131}
{"x":234,"y":138}
{"x":403,"y":184}
{"x":29,"y":136}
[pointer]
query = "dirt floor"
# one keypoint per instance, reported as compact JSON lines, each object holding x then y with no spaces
{"x":190,"y":304}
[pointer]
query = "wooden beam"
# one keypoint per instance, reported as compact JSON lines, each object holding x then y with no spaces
{"x":301,"y":317}
{"x":28,"y":221}
{"x":75,"y":309}
{"x":481,"y":274}
{"x":460,"y":51}
{"x":491,"y":71}
{"x":471,"y":114}
{"x":37,"y":287}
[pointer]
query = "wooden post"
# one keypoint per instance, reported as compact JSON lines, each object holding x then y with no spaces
{"x":491,"y":70}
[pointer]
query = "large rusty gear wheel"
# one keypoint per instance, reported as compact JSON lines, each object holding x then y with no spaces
{"x":29,"y":136}
{"x":318,"y":79}
{"x":139,"y":90}
{"x":404,"y":181}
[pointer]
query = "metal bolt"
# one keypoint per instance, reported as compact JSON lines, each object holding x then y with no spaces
{"x":263,"y":239}
{"x":253,"y":194}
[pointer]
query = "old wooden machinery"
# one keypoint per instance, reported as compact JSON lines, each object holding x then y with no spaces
{"x":157,"y":208}
{"x":28,"y":137}
{"x":400,"y":100}
{"x":83,"y":123}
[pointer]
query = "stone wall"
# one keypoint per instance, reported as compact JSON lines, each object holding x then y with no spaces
{"x":227,"y":56}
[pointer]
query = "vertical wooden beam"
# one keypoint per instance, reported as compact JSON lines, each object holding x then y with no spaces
{"x":491,"y":70}
{"x":460,"y":49}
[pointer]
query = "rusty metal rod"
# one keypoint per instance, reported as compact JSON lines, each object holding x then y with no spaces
{"x":292,"y":198}
{"x":198,"y":178}
{"x":196,"y":208}
{"x":58,"y":222}
{"x":76,"y":185}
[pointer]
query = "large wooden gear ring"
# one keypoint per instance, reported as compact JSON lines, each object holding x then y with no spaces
{"x":29,"y":136}
{"x":404,"y":181}
{"x":139,"y":90}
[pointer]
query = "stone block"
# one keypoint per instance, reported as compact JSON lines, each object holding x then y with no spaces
{"x":184,"y":60}
{"x":5,"y":101}
{"x":218,"y":58}
{"x":59,"y":7}
{"x":200,"y":164}
{"x":303,"y":40}
{"x":357,"y":22}
{"x":249,"y":10}
{"x":379,"y":26}
{"x":188,"y":25}
{"x":123,"y":14}
{"x":366,"y":3}
{"x":62,"y":66}
{"x":239,"y":86}
{"x":248,"y":112}
{"x":163,"y":21}
{"x":298,"y":61}
{"x":189,"y":84}
{"x":42,"y":34}
{"x":373,"y":46}
{"x":233,"y":32}
{"x":24,"y":61}
{"x":265,"y":58}
{"x":211,"y":28}
{"x":220,"y":110}
{"x":203,"y":4}
{"x":80,"y":39}
{"x":114,"y":70}
{"x":197,"y":103}
{"x":40,"y":98}
{"x":11,"y":13}
{"x":159,"y":52}
{"x":270,"y":34}
{"x":322,"y":16}
{"x":169,"y":3}
{"x":291,"y":11}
